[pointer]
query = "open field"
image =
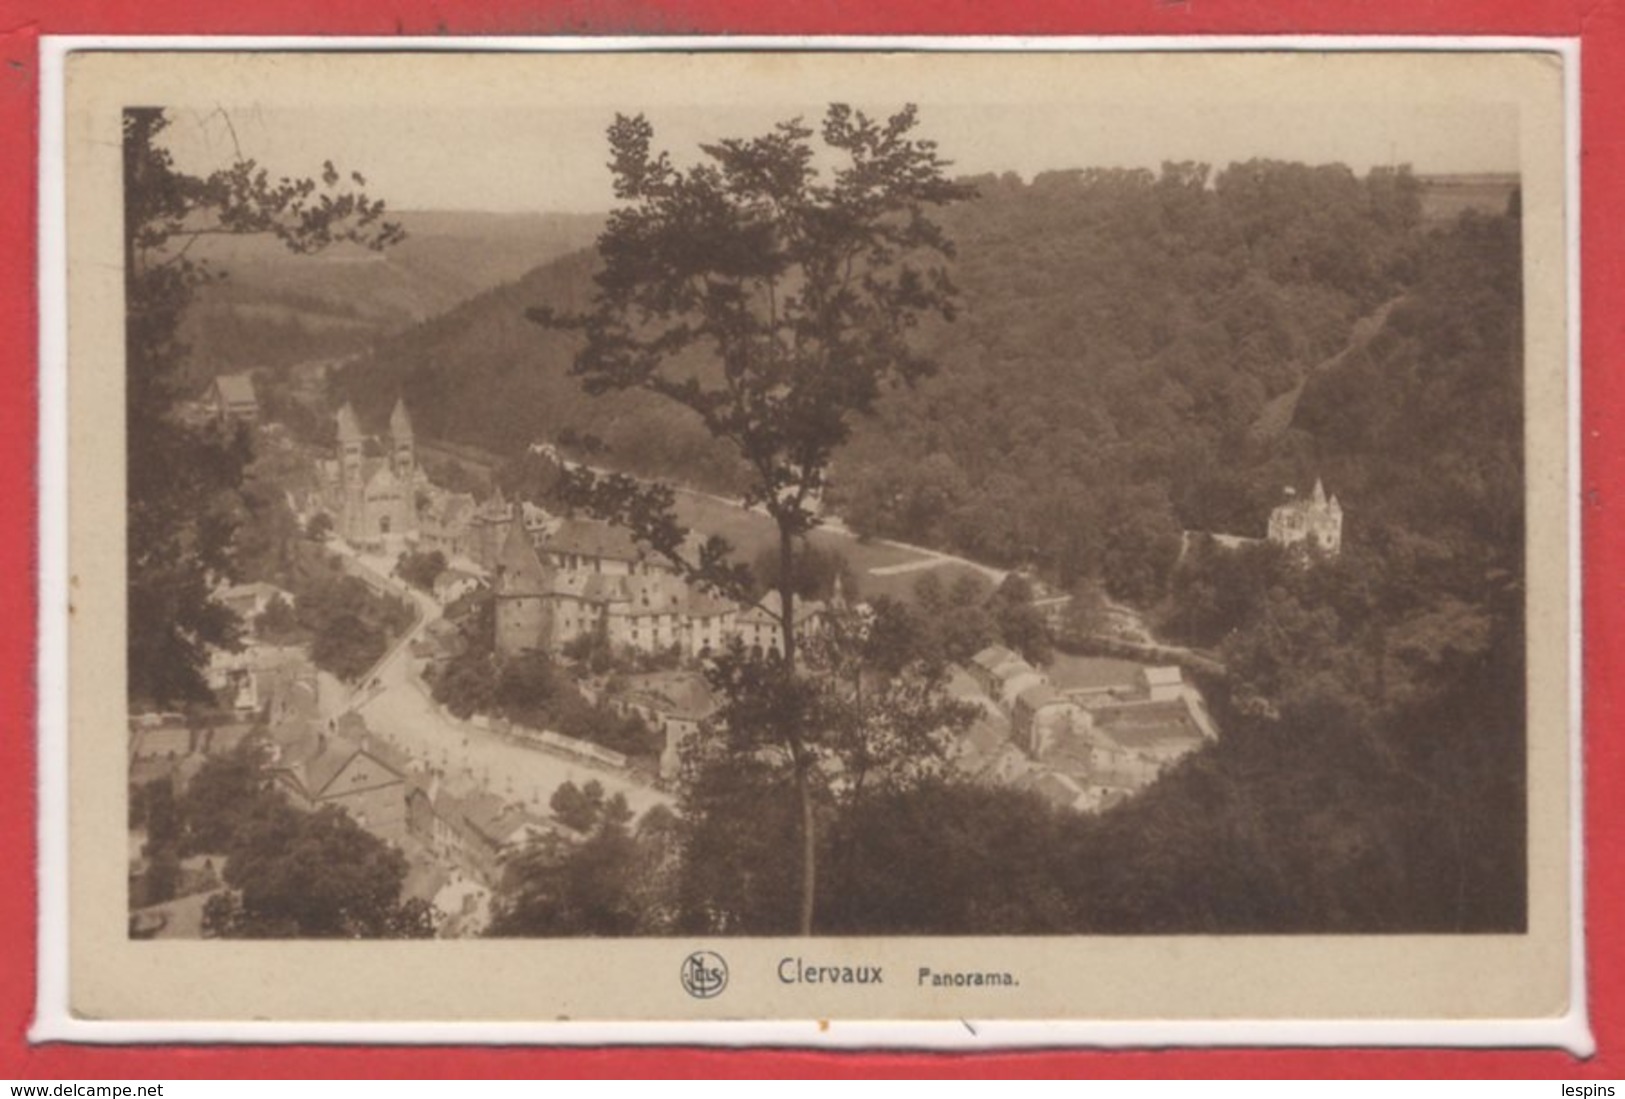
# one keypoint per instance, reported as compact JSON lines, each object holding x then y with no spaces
{"x":751,"y":532}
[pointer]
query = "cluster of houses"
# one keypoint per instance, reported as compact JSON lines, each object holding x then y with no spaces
{"x":457,"y":834}
{"x":1082,"y":748}
{"x":555,"y":579}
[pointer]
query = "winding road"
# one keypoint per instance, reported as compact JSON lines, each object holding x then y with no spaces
{"x":399,"y":710}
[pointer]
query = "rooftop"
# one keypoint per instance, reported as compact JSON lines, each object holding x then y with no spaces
{"x":521,"y":571}
{"x":1167,"y":676}
{"x":679,"y":694}
{"x":1149,"y":726}
{"x":993,"y":656}
{"x":592,"y":538}
{"x":1041,"y":694}
{"x":235,"y":389}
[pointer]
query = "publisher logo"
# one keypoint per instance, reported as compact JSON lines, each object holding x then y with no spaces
{"x":704,"y":974}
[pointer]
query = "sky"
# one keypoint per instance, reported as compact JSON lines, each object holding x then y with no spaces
{"x":549,"y":155}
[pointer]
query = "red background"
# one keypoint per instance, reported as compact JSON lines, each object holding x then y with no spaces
{"x":1600,"y":26}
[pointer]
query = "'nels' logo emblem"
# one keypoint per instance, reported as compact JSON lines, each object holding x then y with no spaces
{"x":704,"y":974}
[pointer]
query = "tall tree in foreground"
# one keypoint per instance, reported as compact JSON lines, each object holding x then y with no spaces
{"x":184,"y":480}
{"x":775,"y":302}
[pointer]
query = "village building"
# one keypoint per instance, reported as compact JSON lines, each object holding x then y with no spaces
{"x":172,"y":748}
{"x":232,"y":400}
{"x":1059,"y":789}
{"x":673,"y":704}
{"x":1161,"y":684}
{"x":984,"y":666}
{"x":488,"y":530}
{"x":539,"y":523}
{"x":760,"y":628}
{"x":1013,"y":680}
{"x":249,"y":680}
{"x":1312,"y":524}
{"x":454,"y":583}
{"x":160,"y":736}
{"x":346,"y":768}
{"x":1084,"y":748}
{"x":441,"y":640}
{"x":248,"y":601}
{"x":1042,"y":715}
{"x":591,"y":546}
{"x":976,"y":752}
{"x":711,"y":621}
{"x":446,"y":522}
{"x":473,"y":829}
{"x":647,"y":613}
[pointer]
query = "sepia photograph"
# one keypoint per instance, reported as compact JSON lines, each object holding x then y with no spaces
{"x":922,"y":530}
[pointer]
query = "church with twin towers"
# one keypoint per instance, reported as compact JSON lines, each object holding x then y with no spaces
{"x":374,"y":482}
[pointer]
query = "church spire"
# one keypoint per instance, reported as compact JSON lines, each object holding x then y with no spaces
{"x":349,"y":427}
{"x":400,"y":422}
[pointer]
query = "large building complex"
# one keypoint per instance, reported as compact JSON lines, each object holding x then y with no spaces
{"x":371,"y":488}
{"x":585,"y":577}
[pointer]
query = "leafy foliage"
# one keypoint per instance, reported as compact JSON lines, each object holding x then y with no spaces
{"x":1137,"y":354}
{"x":420,"y":569}
{"x":291,"y":874}
{"x":534,"y":691}
{"x":351,"y":624}
{"x":814,"y":571}
{"x":184,"y":480}
{"x":313,"y":875}
{"x":772,"y":301}
{"x":1370,"y":775}
{"x":609,"y":884}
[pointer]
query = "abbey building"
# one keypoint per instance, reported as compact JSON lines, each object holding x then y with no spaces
{"x":371,"y":487}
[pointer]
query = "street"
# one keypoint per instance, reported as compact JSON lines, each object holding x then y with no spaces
{"x":400,"y":711}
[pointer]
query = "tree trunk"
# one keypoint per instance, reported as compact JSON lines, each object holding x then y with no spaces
{"x":798,"y":757}
{"x":809,"y":851}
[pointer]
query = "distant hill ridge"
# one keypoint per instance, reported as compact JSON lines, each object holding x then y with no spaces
{"x":275,"y":308}
{"x":1121,"y":335}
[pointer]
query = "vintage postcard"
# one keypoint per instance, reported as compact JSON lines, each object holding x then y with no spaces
{"x":908,"y":535}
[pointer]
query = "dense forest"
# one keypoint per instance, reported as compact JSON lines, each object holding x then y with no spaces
{"x":1136,"y":354}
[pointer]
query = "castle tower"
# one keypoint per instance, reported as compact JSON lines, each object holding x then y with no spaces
{"x":524,"y":615}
